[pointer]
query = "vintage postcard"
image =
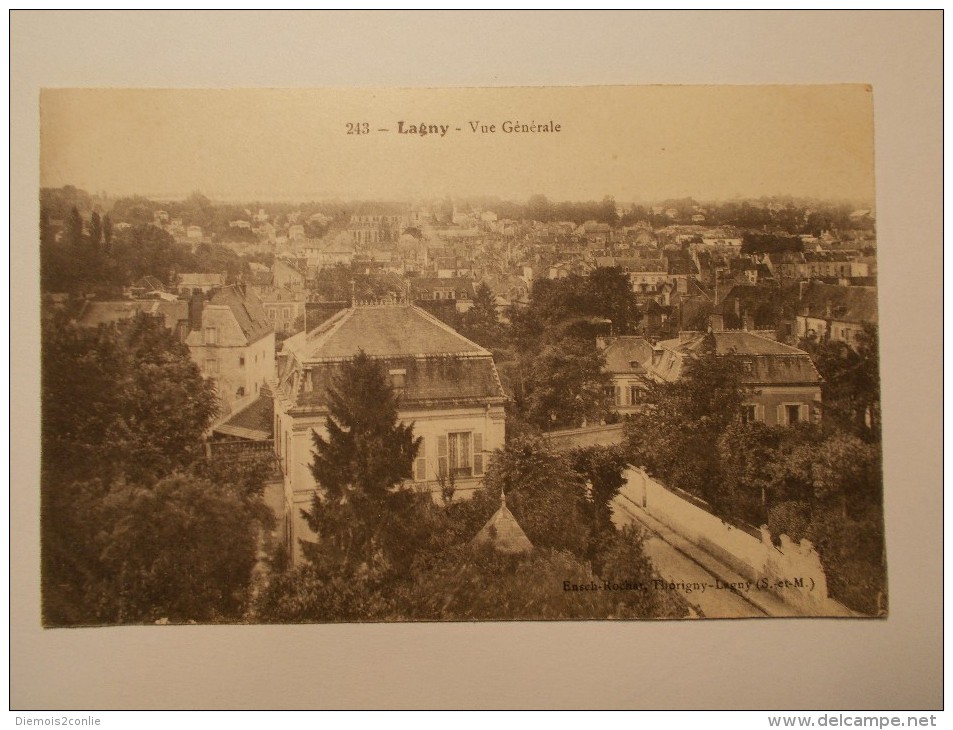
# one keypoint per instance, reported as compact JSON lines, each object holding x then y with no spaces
{"x":391,"y":355}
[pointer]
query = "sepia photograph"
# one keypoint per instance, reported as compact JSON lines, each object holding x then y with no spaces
{"x":353,"y":355}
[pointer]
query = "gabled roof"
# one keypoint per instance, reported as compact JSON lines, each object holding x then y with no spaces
{"x":766,"y":361}
{"x":381,"y":331}
{"x":854,"y":304}
{"x":246,"y":308}
{"x":681,"y":265}
{"x":342,"y":243}
{"x":149,"y":283}
{"x":96,"y":313}
{"x":430,"y":284}
{"x":503,"y":532}
{"x":255,"y":421}
{"x":435,"y":363}
{"x":425,"y":381}
{"x":201,"y":279}
{"x":639,"y":265}
{"x":625,"y":354}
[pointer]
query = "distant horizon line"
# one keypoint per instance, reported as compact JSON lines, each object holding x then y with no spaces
{"x":410,"y":200}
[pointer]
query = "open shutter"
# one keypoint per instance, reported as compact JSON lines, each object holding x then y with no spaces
{"x":782,"y":421}
{"x":477,"y":454}
{"x":759,"y":413}
{"x":442,"y":469}
{"x":420,"y":468}
{"x":805,"y":415}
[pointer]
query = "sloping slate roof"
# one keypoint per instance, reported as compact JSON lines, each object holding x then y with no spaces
{"x":638,"y":264}
{"x":681,"y":265}
{"x":426,"y":380}
{"x":255,"y":421}
{"x":771,"y":362}
{"x":856,"y":304}
{"x":150,"y":283}
{"x":430,"y":284}
{"x":623,"y":351}
{"x":247,"y":309}
{"x":503,"y":532}
{"x":740,"y":343}
{"x":199,"y":279}
{"x":97,"y":313}
{"x":381,"y":331}
{"x":780,"y":369}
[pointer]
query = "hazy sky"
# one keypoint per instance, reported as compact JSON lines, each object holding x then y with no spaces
{"x":635,"y":143}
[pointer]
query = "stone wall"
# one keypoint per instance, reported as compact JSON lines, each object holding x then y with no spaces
{"x":793,"y":571}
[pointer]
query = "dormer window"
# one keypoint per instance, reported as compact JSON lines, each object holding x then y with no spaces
{"x":398,"y":378}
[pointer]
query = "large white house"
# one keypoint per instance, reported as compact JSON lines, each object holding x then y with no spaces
{"x":449,"y":389}
{"x":232,"y":340}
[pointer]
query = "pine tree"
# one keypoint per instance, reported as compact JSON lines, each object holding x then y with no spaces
{"x":75,"y":228}
{"x":95,"y":231}
{"x":360,"y":511}
{"x":107,"y":232}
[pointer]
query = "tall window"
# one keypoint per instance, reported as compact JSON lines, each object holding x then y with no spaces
{"x":793,"y":413}
{"x":460,"y":463}
{"x":633,"y":394}
{"x":211,"y":336}
{"x":420,"y":465}
{"x":460,"y":454}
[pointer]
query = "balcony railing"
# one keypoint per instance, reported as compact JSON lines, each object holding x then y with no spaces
{"x":244,"y":451}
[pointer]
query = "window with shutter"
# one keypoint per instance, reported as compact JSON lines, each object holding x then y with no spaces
{"x":478,"y":454}
{"x":420,"y":468}
{"x":460,"y":451}
{"x":442,"y":468}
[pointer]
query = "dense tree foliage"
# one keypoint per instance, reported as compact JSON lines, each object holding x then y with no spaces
{"x":362,"y":511}
{"x":441,"y":575}
{"x":77,"y":264}
{"x":137,"y":526}
{"x":676,"y":437}
{"x":181,"y":549}
{"x":120,"y":401}
{"x":822,"y":482}
{"x":851,"y":381}
{"x":482,"y":323}
{"x":556,"y":371}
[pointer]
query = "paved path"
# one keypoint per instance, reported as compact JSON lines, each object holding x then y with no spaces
{"x":699,"y":577}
